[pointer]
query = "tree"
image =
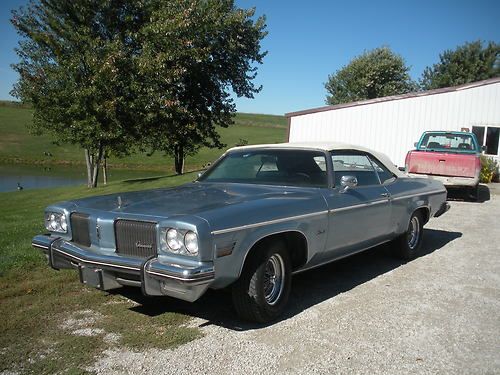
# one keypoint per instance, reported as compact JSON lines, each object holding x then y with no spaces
{"x":467,"y":63}
{"x":77,"y":70}
{"x":374,"y":74}
{"x":194,"y":54}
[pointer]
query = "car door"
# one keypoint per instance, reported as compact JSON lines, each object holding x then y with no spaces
{"x":360,"y":216}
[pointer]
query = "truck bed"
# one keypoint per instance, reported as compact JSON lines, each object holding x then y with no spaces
{"x":442,"y":163}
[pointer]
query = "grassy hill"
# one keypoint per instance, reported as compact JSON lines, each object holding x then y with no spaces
{"x":18,"y":145}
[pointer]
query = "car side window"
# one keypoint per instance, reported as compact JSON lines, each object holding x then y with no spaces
{"x":352,"y":164}
{"x":383,"y":173}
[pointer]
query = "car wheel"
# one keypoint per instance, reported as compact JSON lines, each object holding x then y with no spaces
{"x":261,"y":293}
{"x":407,"y":246}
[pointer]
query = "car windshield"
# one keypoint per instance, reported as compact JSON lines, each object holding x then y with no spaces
{"x":271,"y":167}
{"x":448,"y":142}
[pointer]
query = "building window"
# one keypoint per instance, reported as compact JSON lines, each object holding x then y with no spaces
{"x":488,"y":136}
{"x":479,"y":132}
{"x":492,"y":135}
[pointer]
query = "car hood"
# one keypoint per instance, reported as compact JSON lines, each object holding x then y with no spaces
{"x":189,"y":199}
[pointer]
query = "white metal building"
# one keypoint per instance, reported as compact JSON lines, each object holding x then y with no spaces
{"x":393,"y":124}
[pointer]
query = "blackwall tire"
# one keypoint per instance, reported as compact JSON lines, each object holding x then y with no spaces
{"x":408,"y":245}
{"x":474,"y":193}
{"x":262,"y":291}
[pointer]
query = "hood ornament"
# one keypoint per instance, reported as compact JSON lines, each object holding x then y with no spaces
{"x":119,"y":202}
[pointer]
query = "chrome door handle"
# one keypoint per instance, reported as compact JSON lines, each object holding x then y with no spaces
{"x":385,"y":195}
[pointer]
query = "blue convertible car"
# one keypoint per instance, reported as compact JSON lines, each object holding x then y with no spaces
{"x":257,"y":216}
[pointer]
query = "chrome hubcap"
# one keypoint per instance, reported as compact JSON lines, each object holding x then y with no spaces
{"x":413,"y":234}
{"x":274,"y":277}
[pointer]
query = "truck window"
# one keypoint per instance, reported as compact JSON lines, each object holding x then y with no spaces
{"x":448,"y":142}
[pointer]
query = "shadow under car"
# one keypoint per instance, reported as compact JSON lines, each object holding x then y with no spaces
{"x":308,"y":288}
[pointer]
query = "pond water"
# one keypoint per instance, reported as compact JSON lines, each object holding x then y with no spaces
{"x":35,"y":177}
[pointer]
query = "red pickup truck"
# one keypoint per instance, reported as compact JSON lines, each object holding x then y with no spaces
{"x":451,"y":157}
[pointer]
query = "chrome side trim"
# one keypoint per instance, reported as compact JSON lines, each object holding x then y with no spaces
{"x":269,"y":222}
{"x":419,"y":194}
{"x":358,"y":206}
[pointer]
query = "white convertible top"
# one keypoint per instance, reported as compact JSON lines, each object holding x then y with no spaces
{"x":328,"y":146}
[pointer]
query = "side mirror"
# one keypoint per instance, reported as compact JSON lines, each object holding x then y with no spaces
{"x":348,"y":182}
{"x":415,"y":144}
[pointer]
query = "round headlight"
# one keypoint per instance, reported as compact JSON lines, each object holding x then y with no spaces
{"x":64,"y":224}
{"x":173,"y":241}
{"x":53,"y":222}
{"x":191,"y":242}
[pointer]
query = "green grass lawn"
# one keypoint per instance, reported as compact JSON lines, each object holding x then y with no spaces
{"x":18,"y":145}
{"x":42,"y":309}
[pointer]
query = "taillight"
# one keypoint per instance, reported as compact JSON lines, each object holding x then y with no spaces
{"x":407,"y":162}
{"x":478,"y":166}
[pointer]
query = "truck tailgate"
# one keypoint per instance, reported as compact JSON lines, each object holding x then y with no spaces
{"x":442,"y":164}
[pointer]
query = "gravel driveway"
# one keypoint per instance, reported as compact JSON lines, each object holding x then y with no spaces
{"x":367,"y":314}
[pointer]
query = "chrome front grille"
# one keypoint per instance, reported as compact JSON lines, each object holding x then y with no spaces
{"x":136,"y":238}
{"x":80,"y":228}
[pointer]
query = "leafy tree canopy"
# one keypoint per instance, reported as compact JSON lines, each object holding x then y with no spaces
{"x":376,"y":73}
{"x":77,"y":70}
{"x":194,"y":54}
{"x":467,"y":63}
{"x":110,"y":75}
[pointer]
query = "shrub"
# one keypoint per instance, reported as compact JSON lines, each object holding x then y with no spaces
{"x":489,"y":169}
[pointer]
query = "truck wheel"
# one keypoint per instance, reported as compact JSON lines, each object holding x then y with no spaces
{"x":261,"y":293}
{"x":474,"y":193}
{"x":407,"y":246}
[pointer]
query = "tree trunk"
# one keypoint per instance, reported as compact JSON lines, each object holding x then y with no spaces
{"x":93,"y":162}
{"x":105,"y":170}
{"x":88,"y":160}
{"x":179,"y":159}
{"x":97,"y":165}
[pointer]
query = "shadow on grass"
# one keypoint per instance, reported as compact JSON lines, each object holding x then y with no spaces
{"x":147,"y":179}
{"x":463,"y":194}
{"x":308,"y":288}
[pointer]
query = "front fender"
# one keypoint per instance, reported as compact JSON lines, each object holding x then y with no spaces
{"x":232,"y":249}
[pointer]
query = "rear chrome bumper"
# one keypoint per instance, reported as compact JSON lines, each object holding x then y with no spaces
{"x":444,"y":208}
{"x":450,"y":181}
{"x":107,"y":272}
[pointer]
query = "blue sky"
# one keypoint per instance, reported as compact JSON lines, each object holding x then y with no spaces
{"x":308,"y":40}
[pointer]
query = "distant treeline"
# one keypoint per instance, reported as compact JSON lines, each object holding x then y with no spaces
{"x":12,"y":103}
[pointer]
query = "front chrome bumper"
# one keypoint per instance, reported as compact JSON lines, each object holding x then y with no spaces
{"x":107,"y":272}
